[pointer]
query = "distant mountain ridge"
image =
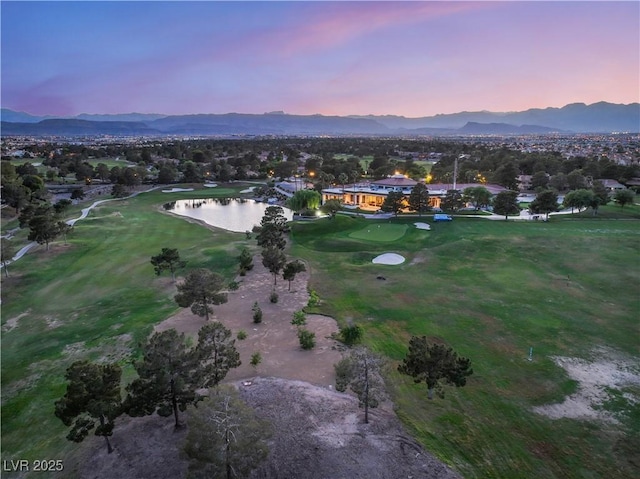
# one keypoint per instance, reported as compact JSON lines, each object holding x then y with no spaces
{"x":599,"y":117}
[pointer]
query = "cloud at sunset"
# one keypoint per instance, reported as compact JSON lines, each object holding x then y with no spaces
{"x":408,"y":58}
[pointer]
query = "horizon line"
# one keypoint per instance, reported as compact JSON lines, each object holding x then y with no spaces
{"x":284,"y":113}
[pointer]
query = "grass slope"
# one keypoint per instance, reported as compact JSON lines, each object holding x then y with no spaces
{"x":490,"y":289}
{"x":96,"y":297}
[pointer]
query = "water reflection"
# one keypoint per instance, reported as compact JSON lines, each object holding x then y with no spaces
{"x":233,"y":214}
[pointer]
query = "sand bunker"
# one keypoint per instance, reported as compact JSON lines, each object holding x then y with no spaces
{"x":176,"y":190}
{"x":248,"y":190}
{"x":388,"y":258}
{"x":210,"y":185}
{"x":422,"y":226}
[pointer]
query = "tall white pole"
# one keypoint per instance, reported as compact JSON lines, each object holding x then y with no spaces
{"x":455,"y":173}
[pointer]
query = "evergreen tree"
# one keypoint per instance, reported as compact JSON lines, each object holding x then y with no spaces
{"x":393,"y":203}
{"x":506,"y":203}
{"x":200,"y":289}
{"x":7,"y":252}
{"x":43,"y":226}
{"x":93,"y":395}
{"x":246,"y":261}
{"x":168,"y":259}
{"x":274,"y":260}
{"x":419,"y":199}
{"x":216,"y":353}
{"x":452,"y":201}
{"x":291,"y":269}
{"x":167,"y":377}
{"x":545,"y":202}
{"x":435,"y":364}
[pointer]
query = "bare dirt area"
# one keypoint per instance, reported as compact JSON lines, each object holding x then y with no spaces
{"x":275,"y":338}
{"x":606,"y":371}
{"x":320,"y":434}
{"x":317,"y":433}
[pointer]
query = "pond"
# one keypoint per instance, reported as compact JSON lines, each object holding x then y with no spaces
{"x":233,"y":214}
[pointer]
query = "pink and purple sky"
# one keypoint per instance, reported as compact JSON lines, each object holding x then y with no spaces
{"x":334,"y":58}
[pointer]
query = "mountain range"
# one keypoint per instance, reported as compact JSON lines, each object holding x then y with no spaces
{"x":599,"y":117}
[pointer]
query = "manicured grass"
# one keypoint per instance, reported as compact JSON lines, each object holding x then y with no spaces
{"x":490,"y":289}
{"x":96,"y":297}
{"x":382,"y":232}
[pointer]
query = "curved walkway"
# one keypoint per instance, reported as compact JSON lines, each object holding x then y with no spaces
{"x":84,"y":213}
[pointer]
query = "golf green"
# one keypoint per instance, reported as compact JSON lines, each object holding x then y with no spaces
{"x":381,"y":232}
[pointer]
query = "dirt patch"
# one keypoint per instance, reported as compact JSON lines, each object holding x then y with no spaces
{"x":418,"y":259}
{"x":53,"y":322}
{"x":318,"y":433}
{"x":608,"y":370}
{"x":144,"y":448}
{"x":12,"y":323}
{"x":275,"y":338}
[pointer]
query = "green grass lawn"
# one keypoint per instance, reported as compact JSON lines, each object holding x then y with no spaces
{"x":381,"y":232}
{"x":96,"y":297}
{"x":490,"y":289}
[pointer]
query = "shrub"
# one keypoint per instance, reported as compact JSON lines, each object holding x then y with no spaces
{"x":257,"y":313}
{"x":351,"y":335}
{"x":343,"y":374}
{"x":314,"y":299}
{"x":307,"y":338}
{"x":274,"y":297}
{"x":245,"y":260}
{"x":242,"y":334}
{"x":299,"y":318}
{"x":256,"y":358}
{"x":233,"y":285}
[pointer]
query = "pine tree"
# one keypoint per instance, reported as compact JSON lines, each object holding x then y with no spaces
{"x":93,"y":395}
{"x":435,"y":364}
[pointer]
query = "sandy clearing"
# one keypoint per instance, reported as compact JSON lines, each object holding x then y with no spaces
{"x":608,"y":370}
{"x":388,"y":259}
{"x":275,"y":338}
{"x":177,"y":190}
{"x":13,"y":322}
{"x":422,"y":226}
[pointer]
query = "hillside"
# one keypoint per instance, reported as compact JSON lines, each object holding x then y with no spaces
{"x":599,"y":117}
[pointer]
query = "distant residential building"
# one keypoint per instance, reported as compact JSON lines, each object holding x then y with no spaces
{"x":371,"y":195}
{"x":524,"y":182}
{"x":612,"y":185}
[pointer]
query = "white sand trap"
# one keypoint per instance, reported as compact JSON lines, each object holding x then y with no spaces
{"x":210,"y":185}
{"x":176,"y":190}
{"x":388,"y":258}
{"x":422,"y":226}
{"x":248,"y":190}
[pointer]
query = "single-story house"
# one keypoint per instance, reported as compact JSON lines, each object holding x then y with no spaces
{"x":371,"y":195}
